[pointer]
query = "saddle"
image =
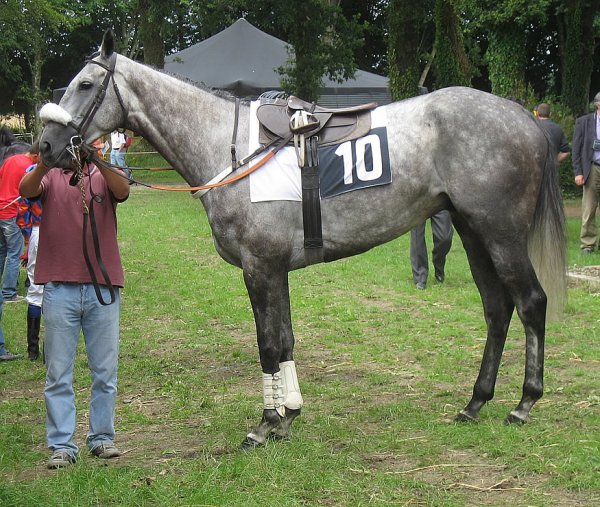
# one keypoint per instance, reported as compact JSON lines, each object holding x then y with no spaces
{"x":331,"y":125}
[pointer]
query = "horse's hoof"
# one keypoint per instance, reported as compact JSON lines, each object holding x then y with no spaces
{"x":249,"y":443}
{"x":463,"y":417}
{"x":514,"y":418}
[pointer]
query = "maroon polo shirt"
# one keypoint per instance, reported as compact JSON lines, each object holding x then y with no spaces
{"x":60,"y":248}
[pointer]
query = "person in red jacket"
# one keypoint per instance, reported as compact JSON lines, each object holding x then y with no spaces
{"x":11,"y":239}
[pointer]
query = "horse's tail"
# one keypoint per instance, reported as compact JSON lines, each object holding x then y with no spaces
{"x":547,"y":238}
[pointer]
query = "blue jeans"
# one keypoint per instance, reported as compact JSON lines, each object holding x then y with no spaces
{"x":2,"y":347}
{"x":11,"y":247}
{"x":68,"y":309}
{"x":118,"y":158}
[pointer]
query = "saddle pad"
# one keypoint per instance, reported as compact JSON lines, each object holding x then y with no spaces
{"x":280,"y":180}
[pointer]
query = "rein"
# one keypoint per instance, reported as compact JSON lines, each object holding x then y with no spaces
{"x":276,"y":145}
{"x":88,"y":211}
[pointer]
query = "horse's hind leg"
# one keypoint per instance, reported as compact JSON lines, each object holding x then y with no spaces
{"x":514,"y":275}
{"x":498,"y":308}
{"x":269,"y":296}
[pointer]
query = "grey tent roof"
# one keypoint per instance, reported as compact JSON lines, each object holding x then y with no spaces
{"x":243,"y":60}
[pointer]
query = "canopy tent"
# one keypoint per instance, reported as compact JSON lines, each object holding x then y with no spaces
{"x":243,"y":60}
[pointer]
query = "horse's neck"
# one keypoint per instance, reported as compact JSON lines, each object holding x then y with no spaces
{"x":190,"y":127}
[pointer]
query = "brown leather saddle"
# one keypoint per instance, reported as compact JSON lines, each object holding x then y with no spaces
{"x":328,"y":124}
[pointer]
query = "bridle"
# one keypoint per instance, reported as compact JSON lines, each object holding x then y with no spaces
{"x":87,"y":118}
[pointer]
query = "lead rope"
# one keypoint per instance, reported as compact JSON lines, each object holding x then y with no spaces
{"x":88,"y":212}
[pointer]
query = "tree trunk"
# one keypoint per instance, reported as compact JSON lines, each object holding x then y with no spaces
{"x":32,"y":118}
{"x":406,"y":25}
{"x":579,"y":52}
{"x":150,"y":34}
{"x":507,"y":60}
{"x":452,"y":66}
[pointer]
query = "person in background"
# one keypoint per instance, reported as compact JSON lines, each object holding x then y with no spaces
{"x":5,"y":355}
{"x":586,"y":168}
{"x":118,"y":142}
{"x":11,"y":239}
{"x":71,"y":305}
{"x":555,"y":132}
{"x":29,"y":217}
{"x":441,"y":227}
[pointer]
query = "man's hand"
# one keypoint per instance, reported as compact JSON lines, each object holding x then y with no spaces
{"x":579,"y":181}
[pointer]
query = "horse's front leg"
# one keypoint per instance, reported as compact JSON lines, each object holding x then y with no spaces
{"x":269,"y":296}
{"x":292,"y":398}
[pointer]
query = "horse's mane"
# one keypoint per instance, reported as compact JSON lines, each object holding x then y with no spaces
{"x":224,"y":94}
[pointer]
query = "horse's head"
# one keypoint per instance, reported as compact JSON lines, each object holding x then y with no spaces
{"x":90,"y":107}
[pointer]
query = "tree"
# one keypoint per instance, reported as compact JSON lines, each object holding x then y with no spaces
{"x":410,"y":34}
{"x":577,"y":21}
{"x":507,"y":23}
{"x":31,"y":27}
{"x":326,"y":48}
{"x":452,"y":66}
{"x":155,"y":21}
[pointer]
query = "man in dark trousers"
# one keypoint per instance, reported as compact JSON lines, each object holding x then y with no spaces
{"x":586,"y":167}
{"x":441,"y":227}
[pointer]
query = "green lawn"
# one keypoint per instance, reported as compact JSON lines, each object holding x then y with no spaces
{"x":383,"y":368}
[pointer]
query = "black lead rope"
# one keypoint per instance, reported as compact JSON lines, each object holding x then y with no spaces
{"x":89,"y":212}
{"x":99,"y":260}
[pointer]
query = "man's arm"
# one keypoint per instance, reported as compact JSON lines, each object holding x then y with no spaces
{"x":30,"y":185}
{"x":117,"y":183}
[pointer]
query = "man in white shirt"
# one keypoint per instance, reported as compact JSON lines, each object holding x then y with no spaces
{"x":118,"y":145}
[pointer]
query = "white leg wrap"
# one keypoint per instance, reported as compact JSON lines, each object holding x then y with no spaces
{"x":291,"y":389}
{"x":273,"y":392}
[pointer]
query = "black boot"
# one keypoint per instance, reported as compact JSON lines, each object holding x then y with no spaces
{"x":33,"y":337}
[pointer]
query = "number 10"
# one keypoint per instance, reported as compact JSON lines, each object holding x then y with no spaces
{"x":362,"y":172}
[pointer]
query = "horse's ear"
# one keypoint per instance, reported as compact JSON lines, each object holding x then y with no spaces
{"x":108,"y":43}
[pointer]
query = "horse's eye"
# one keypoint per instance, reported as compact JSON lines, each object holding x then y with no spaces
{"x":85,"y":85}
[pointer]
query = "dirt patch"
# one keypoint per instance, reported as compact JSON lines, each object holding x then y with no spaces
{"x":491,"y":484}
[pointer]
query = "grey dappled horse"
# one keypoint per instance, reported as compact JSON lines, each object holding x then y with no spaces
{"x":10,"y":145}
{"x":482,"y":157}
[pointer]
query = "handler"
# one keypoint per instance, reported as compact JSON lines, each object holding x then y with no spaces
{"x":70,"y":304}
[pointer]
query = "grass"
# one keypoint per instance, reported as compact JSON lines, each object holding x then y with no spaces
{"x":383,"y":368}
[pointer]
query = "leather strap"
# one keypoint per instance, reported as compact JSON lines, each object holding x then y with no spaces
{"x":97,"y":253}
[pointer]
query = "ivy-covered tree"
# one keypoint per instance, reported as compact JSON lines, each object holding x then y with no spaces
{"x":409,"y":38}
{"x":451,"y":63}
{"x":506,"y":22}
{"x":578,"y":22}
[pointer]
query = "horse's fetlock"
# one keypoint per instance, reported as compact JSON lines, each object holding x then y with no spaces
{"x":271,"y":417}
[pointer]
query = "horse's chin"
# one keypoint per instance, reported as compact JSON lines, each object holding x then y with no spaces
{"x":63,"y":161}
